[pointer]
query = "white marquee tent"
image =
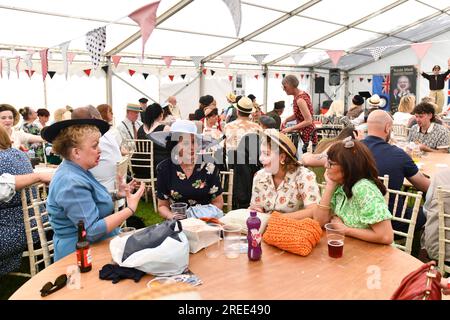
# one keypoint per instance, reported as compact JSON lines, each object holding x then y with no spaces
{"x":205,"y":28}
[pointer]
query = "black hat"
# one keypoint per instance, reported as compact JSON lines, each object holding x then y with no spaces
{"x":143,"y":100}
{"x":279,"y":105}
{"x":206,"y":100}
{"x":357,"y":100}
{"x":251,"y":97}
{"x":51,"y":132}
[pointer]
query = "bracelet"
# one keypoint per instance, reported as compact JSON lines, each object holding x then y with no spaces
{"x":132,"y":211}
{"x":323,"y":206}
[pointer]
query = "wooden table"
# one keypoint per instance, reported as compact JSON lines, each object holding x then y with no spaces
{"x":45,"y":168}
{"x":278,"y":275}
{"x":431,"y":162}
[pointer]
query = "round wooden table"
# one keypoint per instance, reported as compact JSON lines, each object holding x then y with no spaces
{"x":366,"y":271}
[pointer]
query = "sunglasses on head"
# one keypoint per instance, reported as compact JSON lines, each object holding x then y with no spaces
{"x":49,"y":287}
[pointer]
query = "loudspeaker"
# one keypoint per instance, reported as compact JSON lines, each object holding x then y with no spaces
{"x":319,"y":85}
{"x":334,"y":77}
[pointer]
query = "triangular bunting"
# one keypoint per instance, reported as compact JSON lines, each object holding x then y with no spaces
{"x":51,"y":74}
{"x":369,"y":80}
{"x":87,"y":71}
{"x":196,"y":60}
{"x":235,"y":9}
{"x":256,"y":76}
{"x":105,"y":68}
{"x":283,"y":75}
{"x":171,"y":76}
{"x":183,"y":76}
{"x":335,"y":55}
{"x":8,"y":67}
{"x":259,"y":57}
{"x":230,"y":78}
{"x":264,"y":74}
{"x":361,"y":79}
{"x":212,"y":72}
{"x":297,"y":56}
{"x":95,"y":44}
{"x":145,"y":75}
{"x":376,"y":52}
{"x":29,"y":73}
{"x":421,"y":49}
{"x":226,"y":60}
{"x":277,"y":75}
{"x":302,"y":75}
{"x":307,"y":76}
{"x":145,"y":17}
{"x":28,"y":61}
{"x":70,"y":57}
{"x":116,"y":60}
{"x":204,"y":71}
{"x":64,"y":47}
{"x":131,"y":72}
{"x":44,"y":62}
{"x":17,"y":66}
{"x":167,"y":60}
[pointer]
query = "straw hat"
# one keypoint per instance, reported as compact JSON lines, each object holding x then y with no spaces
{"x":374,"y":100}
{"x":232,"y":97}
{"x":283,"y":142}
{"x":134,"y":107}
{"x":245,"y":105}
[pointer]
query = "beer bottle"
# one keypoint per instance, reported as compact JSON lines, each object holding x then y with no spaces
{"x":84,"y":258}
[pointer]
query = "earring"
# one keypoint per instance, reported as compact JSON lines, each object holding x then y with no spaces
{"x":282,"y":162}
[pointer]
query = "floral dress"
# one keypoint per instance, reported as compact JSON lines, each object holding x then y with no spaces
{"x":33,"y":129}
{"x":299,"y":189}
{"x":201,"y":187}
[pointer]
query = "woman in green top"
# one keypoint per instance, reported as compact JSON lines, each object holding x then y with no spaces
{"x":354,"y":195}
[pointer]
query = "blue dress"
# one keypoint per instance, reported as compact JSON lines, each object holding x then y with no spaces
{"x":76,"y":195}
{"x":12,"y":230}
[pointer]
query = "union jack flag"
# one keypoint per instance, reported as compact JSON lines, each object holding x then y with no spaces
{"x":448,"y":93}
{"x":386,"y":84}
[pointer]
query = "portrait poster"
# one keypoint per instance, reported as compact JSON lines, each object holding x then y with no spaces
{"x":403,"y":83}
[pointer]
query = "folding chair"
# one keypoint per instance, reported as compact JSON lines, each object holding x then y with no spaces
{"x":444,"y":231}
{"x":400,"y":131}
{"x":226,"y":178}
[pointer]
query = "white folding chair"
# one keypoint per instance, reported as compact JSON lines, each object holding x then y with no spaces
{"x":385,"y":180}
{"x":400,"y":131}
{"x":34,"y":200}
{"x":121,"y":171}
{"x":228,"y":189}
{"x":406,"y":243}
{"x":444,"y":231}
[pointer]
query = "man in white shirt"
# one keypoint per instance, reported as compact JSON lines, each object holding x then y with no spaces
{"x":129,"y":126}
{"x":173,"y":107}
{"x":9,"y":184}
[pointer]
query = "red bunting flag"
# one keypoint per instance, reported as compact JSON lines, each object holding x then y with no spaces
{"x":361,"y":79}
{"x":168,"y":60}
{"x":70,"y":56}
{"x":302,"y":75}
{"x":171,"y":76}
{"x":131,"y":72}
{"x":116,"y":60}
{"x":29,"y":72}
{"x":335,"y":55}
{"x":230,"y":78}
{"x":145,"y":17}
{"x":277,"y":75}
{"x":87,"y":71}
{"x":421,"y":49}
{"x":204,"y":71}
{"x":44,"y":62}
{"x":256,"y":76}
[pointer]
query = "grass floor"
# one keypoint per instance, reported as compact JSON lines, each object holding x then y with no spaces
{"x":9,"y":284}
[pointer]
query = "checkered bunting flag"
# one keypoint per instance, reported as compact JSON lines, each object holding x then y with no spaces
{"x":259,"y":57}
{"x":196,"y":60}
{"x":95,"y":44}
{"x":376,"y":52}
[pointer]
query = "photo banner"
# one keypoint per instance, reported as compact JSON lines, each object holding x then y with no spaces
{"x":402,"y":83}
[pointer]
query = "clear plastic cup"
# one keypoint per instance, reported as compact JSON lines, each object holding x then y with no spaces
{"x":179,"y":210}
{"x":211,"y":235}
{"x":335,"y":239}
{"x":232,"y":240}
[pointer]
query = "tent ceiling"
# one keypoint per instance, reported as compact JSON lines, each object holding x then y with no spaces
{"x":205,"y":27}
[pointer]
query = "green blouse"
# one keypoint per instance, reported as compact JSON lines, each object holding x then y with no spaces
{"x":367,"y":206}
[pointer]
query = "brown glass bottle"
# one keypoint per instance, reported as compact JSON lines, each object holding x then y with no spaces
{"x":84,"y":258}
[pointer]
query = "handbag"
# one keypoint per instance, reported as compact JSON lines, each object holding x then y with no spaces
{"x":421,"y":284}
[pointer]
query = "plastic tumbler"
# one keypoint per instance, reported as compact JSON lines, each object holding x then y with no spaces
{"x":231,"y":240}
{"x":335,"y":239}
{"x":179,"y":210}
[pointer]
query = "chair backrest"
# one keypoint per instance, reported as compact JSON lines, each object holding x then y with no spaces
{"x":142,"y":156}
{"x":400,"y":130}
{"x":35,"y":217}
{"x":385,"y":180}
{"x":226,"y":179}
{"x":443,"y":197}
{"x":404,"y":197}
{"x":121,"y":171}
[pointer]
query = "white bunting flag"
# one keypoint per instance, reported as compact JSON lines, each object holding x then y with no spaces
{"x":64,"y":47}
{"x":297,"y":57}
{"x":259,"y":57}
{"x":235,"y":9}
{"x":227,"y":60}
{"x":377,"y":52}
{"x":196,"y":60}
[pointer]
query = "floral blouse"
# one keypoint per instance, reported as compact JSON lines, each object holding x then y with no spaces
{"x":299,"y":189}
{"x":367,"y":206}
{"x":33,"y":129}
{"x":201,"y":187}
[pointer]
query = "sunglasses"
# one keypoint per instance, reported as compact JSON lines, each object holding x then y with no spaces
{"x":49,"y":287}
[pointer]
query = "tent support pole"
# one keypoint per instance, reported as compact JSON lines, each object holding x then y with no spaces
{"x":202,"y":81}
{"x":109,"y":82}
{"x":266,"y":87}
{"x":45,"y":93}
{"x":346,"y":91}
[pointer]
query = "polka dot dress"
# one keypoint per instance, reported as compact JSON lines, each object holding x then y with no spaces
{"x":12,"y":230}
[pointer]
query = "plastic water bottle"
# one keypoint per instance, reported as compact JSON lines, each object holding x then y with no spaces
{"x":254,"y":237}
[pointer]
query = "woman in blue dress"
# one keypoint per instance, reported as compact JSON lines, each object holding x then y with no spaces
{"x":75,"y":194}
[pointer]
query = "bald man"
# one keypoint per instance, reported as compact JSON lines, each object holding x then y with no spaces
{"x":173,"y":107}
{"x":394,"y":162}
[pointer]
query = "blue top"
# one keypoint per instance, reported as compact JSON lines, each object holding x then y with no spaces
{"x":76,"y":195}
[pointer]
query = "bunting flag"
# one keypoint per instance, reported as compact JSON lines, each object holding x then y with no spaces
{"x":196,"y":60}
{"x":145,"y":75}
{"x":31,"y":51}
{"x":369,"y":80}
{"x":28,"y":61}
{"x":8,"y":67}
{"x":116,"y":60}
{"x":256,"y":76}
{"x":171,"y":76}
{"x":283,"y":75}
{"x":64,"y":47}
{"x":421,"y":49}
{"x":131,"y":72}
{"x":87,"y":71}
{"x":226,"y":60}
{"x":51,"y":74}
{"x":1,"y":67}
{"x":145,"y":17}
{"x":302,"y":76}
{"x":230,"y":78}
{"x":44,"y":62}
{"x":105,"y":68}
{"x":277,"y":75}
{"x":168,"y":60}
{"x":297,"y":57}
{"x":183,"y":76}
{"x":235,"y":9}
{"x":259,"y":57}
{"x":376,"y":52}
{"x":264,"y":74}
{"x":17,"y":66}
{"x":335,"y":56}
{"x":204,"y":71}
{"x":212,"y":72}
{"x":361,"y":79}
{"x":70,"y":56}
{"x":307,"y":76}
{"x":29,"y":73}
{"x":95,"y":44}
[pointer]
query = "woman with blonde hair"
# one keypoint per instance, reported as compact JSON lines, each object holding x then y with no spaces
{"x":403,"y":116}
{"x":336,"y":109}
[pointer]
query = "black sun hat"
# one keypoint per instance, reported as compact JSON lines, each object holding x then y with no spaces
{"x":51,"y":132}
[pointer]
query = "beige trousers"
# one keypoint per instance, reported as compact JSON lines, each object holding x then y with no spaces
{"x":438,"y":96}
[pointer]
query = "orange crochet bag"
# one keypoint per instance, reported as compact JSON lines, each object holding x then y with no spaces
{"x":296,"y":236}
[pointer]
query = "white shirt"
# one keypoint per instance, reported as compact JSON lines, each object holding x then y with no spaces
{"x":402,"y":118}
{"x":125,"y":128}
{"x":175,"y":111}
{"x":20,"y":137}
{"x":7,"y":187}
